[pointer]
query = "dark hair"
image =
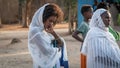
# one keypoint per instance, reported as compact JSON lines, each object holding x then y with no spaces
{"x":52,"y":10}
{"x":102,"y":5}
{"x":85,"y":8}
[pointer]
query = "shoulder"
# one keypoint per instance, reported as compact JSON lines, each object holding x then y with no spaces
{"x":95,"y":33}
{"x":83,"y":25}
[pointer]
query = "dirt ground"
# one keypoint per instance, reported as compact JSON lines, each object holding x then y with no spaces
{"x":17,"y":55}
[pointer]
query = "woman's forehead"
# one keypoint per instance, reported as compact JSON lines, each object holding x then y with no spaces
{"x":52,"y":18}
{"x":106,"y":13}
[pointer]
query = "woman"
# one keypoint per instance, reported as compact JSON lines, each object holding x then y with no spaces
{"x":116,"y":34}
{"x":100,"y":46}
{"x":44,"y":44}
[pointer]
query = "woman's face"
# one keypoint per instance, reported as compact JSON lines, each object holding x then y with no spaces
{"x":106,"y":17}
{"x":50,"y":22}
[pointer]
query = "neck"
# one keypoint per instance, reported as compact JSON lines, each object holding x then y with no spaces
{"x":86,"y":20}
{"x":105,"y":28}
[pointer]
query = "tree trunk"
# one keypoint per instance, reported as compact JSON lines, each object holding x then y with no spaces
{"x":0,"y":18}
{"x":24,"y":25}
{"x":69,"y":18}
{"x":0,"y":23}
{"x":29,"y":12}
{"x":0,"y":14}
{"x":26,"y":16}
{"x":20,"y":12}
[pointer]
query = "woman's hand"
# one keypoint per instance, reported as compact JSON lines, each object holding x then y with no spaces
{"x":49,"y":29}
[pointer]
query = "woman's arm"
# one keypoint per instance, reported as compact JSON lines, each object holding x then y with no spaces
{"x":57,"y":39}
{"x":75,"y":35}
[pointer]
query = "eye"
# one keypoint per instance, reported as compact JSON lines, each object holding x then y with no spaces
{"x":107,"y":17}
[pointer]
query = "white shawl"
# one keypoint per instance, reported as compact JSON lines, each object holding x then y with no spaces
{"x":43,"y":53}
{"x":99,"y":46}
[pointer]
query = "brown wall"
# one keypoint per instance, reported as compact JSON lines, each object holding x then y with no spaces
{"x":9,"y":10}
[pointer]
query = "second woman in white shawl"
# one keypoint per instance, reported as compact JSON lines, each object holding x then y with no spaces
{"x":99,"y":46}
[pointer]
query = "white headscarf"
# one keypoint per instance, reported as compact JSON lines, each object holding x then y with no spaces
{"x":43,"y":53}
{"x":96,"y":20}
{"x":99,"y":46}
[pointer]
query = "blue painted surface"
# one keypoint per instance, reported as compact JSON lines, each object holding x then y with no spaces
{"x":80,"y":4}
